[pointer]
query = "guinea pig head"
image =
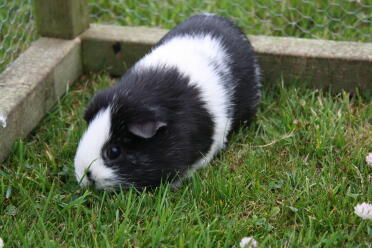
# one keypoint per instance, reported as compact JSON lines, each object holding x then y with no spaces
{"x":127,"y":143}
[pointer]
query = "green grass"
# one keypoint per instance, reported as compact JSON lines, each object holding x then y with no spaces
{"x":291,"y":179}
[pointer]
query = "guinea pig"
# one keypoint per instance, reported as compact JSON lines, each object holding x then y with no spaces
{"x":173,"y":110}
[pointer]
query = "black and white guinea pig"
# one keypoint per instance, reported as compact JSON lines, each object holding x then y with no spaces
{"x":173,"y":110}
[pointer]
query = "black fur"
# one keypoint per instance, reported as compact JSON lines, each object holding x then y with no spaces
{"x":164,"y":96}
{"x":247,"y":89}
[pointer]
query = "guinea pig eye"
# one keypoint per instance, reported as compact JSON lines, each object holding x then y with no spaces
{"x":113,"y":152}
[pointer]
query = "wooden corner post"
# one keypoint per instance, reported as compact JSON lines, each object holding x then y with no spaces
{"x":64,"y":19}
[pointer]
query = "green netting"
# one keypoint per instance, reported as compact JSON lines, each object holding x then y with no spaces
{"x":349,"y":20}
{"x":17,"y":29}
{"x":338,"y":19}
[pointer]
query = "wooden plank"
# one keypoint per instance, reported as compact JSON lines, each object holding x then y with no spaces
{"x":33,"y":83}
{"x":116,"y":48}
{"x":319,"y":63}
{"x":64,"y":19}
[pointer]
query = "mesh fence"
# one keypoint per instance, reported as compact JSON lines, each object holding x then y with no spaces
{"x":338,"y":19}
{"x":17,"y":29}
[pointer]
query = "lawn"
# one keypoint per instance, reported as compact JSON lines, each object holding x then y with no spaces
{"x":291,"y":179}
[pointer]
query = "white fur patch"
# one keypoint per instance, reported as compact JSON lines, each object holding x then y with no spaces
{"x":3,"y":120}
{"x":208,"y":14}
{"x":203,"y":59}
{"x":88,"y":154}
{"x":257,"y":71}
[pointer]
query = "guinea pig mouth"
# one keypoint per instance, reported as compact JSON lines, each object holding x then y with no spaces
{"x":105,"y":184}
{"x":89,"y":180}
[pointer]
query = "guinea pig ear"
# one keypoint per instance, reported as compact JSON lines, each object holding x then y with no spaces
{"x":146,"y":130}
